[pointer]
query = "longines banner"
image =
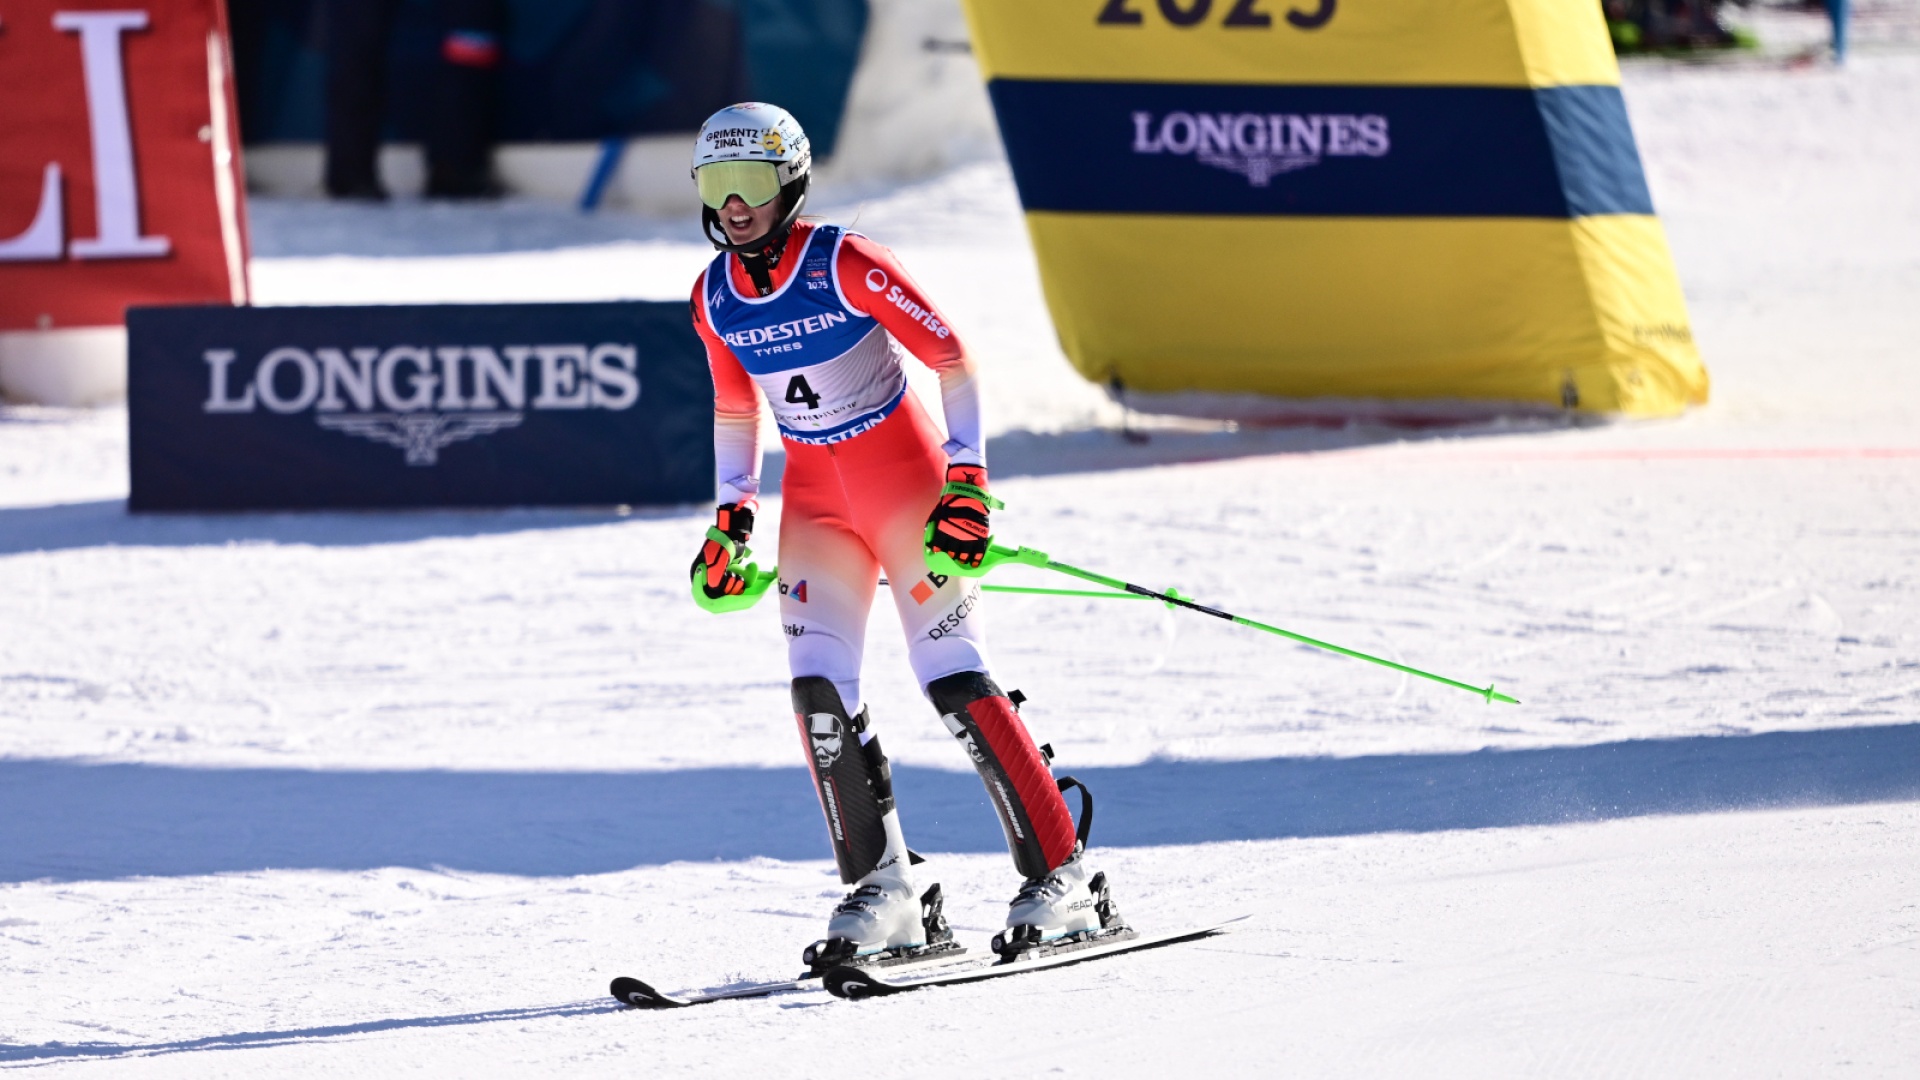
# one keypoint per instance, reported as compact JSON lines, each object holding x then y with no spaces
{"x":393,"y":406}
{"x":119,"y":173}
{"x":1334,"y":202}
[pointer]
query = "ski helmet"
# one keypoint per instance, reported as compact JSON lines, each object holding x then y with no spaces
{"x":758,"y":152}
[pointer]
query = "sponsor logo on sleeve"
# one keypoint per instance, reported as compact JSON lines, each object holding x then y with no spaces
{"x":917,"y":313}
{"x":1260,"y":146}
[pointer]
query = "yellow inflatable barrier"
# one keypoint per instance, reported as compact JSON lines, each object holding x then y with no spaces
{"x":1404,"y":201}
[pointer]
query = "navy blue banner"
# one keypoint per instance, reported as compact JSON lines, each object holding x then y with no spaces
{"x":569,"y":69}
{"x":1334,"y":151}
{"x":445,"y":405}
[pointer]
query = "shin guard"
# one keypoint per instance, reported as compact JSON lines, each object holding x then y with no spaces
{"x":1039,"y":829}
{"x":852,"y":779}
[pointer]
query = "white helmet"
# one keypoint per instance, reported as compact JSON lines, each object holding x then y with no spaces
{"x":751,"y":132}
{"x":755,"y":131}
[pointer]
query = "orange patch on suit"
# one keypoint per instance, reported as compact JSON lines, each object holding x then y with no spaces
{"x":921,"y":592}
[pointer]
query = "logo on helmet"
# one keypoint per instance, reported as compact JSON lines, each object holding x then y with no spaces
{"x":772,"y":143}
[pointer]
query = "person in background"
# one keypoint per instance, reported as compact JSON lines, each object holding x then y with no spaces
{"x":461,"y":110}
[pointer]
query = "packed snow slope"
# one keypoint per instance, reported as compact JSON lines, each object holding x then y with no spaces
{"x":358,"y":794}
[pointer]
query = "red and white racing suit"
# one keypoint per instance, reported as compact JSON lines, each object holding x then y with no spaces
{"x":865,"y":465}
{"x":856,"y":499}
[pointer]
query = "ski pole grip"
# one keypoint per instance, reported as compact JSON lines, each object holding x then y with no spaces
{"x":1025,"y":556}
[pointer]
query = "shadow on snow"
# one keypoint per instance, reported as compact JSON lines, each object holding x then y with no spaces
{"x":65,"y":821}
{"x":245,"y":1040}
{"x":1094,"y":450}
{"x":106,"y":522}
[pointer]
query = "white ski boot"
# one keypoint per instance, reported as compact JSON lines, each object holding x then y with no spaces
{"x":1062,"y":908}
{"x":881,"y":922}
{"x":882,"y":913}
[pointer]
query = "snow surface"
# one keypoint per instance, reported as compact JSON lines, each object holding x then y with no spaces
{"x":358,"y":794}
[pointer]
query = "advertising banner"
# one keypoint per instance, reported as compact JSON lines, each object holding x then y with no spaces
{"x":119,"y":180}
{"x":1335,"y":204}
{"x":395,"y":406}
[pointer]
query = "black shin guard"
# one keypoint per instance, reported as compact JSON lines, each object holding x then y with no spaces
{"x":852,"y":779}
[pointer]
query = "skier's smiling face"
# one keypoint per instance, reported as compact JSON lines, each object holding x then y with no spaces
{"x":744,"y":223}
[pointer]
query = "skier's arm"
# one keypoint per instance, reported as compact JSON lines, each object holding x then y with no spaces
{"x":736,"y":413}
{"x":872,"y":280}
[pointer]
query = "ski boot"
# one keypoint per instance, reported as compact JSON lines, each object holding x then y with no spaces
{"x":878,"y":924}
{"x":1062,"y":910}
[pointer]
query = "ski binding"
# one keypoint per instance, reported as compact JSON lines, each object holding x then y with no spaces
{"x":821,"y":957}
{"x":858,"y":983}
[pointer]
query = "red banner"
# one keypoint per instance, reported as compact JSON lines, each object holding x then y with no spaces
{"x":120,"y":180}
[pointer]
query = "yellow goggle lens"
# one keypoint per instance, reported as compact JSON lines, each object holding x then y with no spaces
{"x":756,"y":182}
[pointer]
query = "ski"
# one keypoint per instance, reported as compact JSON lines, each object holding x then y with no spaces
{"x":631,"y":991}
{"x":857,"y":983}
{"x":640,"y":995}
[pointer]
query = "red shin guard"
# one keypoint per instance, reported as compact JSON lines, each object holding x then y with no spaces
{"x":1039,"y":829}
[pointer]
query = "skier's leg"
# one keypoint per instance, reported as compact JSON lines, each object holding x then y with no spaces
{"x":1039,"y":829}
{"x":901,"y":468}
{"x":1060,"y":895}
{"x":827,"y":576}
{"x":854,"y":783}
{"x":851,"y":776}
{"x":827,"y":581}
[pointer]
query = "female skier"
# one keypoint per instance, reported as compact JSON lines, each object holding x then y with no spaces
{"x":820,"y":318}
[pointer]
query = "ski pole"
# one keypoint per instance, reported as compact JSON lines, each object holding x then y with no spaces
{"x":1032,"y":590}
{"x":760,"y":580}
{"x":1035,"y":591}
{"x":998,"y":555}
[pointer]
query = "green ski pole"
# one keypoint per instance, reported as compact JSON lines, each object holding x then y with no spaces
{"x":1033,"y":591}
{"x":998,"y":555}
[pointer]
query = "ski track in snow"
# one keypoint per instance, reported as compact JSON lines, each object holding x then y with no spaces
{"x":357,"y":793}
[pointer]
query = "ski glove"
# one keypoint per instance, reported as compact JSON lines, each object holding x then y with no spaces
{"x":958,"y":527}
{"x":713,"y":569}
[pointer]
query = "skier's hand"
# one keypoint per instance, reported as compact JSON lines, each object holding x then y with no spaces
{"x":715,"y":561}
{"x":958,"y":527}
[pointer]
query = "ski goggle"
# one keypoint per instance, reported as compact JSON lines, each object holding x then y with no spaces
{"x":756,"y":182}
